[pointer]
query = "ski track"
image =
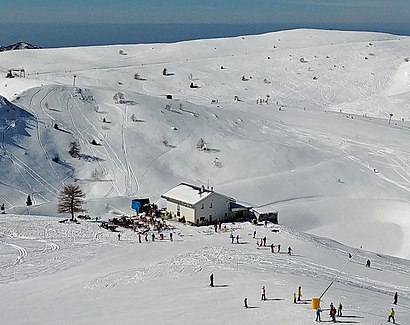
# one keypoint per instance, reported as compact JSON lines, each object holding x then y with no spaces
{"x":130,"y":172}
{"x":39,"y":136}
{"x":106,"y":144}
{"x":22,"y":253}
{"x":46,"y":247}
{"x":91,"y":148}
{"x":165,"y":152}
{"x":10,"y":157}
{"x":190,"y":263}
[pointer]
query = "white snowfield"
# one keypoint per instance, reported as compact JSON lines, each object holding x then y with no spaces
{"x":313,"y":124}
{"x":56,"y":273}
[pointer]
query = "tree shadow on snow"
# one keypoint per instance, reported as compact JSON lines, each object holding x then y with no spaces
{"x":212,"y":150}
{"x":221,"y":285}
{"x":89,"y":158}
{"x":64,"y":131}
{"x":274,"y":299}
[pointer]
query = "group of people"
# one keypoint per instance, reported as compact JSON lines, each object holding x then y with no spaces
{"x":332,"y":312}
{"x":233,"y":238}
{"x":262,"y":242}
{"x":263,"y":297}
{"x":161,"y":236}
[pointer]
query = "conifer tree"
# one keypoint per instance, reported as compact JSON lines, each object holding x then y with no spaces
{"x":28,"y":201}
{"x":71,"y":200}
{"x":74,"y":149}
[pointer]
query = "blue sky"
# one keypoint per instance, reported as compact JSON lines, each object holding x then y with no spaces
{"x":192,"y":11}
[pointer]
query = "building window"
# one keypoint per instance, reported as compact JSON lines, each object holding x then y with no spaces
{"x":210,"y":206}
{"x":178,"y":210}
{"x":202,"y":206}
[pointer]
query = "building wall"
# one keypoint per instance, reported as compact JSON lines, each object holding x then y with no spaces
{"x":271,"y":216}
{"x":219,"y":209}
{"x":186,"y":212}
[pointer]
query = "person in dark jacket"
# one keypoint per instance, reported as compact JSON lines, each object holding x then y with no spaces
{"x":395,"y":298}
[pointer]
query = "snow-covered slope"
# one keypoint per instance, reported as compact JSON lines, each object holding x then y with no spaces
{"x":295,"y":121}
{"x":303,"y":152}
{"x":81,"y":274}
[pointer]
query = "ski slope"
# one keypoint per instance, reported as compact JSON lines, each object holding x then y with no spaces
{"x":322,"y":151}
{"x":82,"y":274}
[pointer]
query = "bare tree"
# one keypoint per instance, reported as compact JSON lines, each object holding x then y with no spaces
{"x":119,"y":98}
{"x":74,"y":149}
{"x":201,"y":145}
{"x":71,"y":200}
{"x":95,"y":175}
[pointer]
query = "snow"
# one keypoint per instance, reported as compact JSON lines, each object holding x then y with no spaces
{"x":187,"y":194}
{"x":80,"y":274}
{"x":322,"y":152}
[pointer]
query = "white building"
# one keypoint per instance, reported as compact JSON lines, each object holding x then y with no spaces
{"x":197,"y":204}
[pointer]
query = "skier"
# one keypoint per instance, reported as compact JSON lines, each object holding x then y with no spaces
{"x":153,"y":237}
{"x":146,"y":236}
{"x":263,"y":291}
{"x":339,"y":309}
{"x":279,"y":248}
{"x":232,"y":237}
{"x":170,"y":236}
{"x":395,"y":299}
{"x":271,"y":248}
{"x":299,"y":292}
{"x":391,"y":316}
{"x":245,"y":302}
{"x":318,"y":311}
{"x":119,"y":236}
{"x":254,"y":233}
{"x":139,"y":238}
{"x":261,"y":242}
{"x":290,"y":250}
{"x":294,"y":297}
{"x":331,"y":307}
{"x":350,"y":255}
{"x":237,"y":239}
{"x":333,"y":314}
{"x":211,"y":278}
{"x":264,"y":241}
{"x":368,"y":263}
